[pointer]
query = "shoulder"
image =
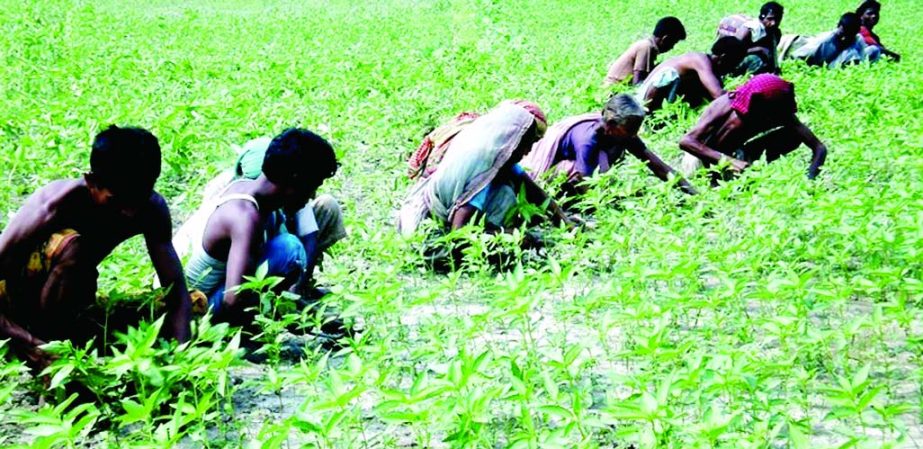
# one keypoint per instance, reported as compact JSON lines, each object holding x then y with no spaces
{"x":61,"y":194}
{"x":240,"y":217}
{"x":721,"y":106}
{"x":643,"y":45}
{"x":156,"y":208}
{"x":635,"y":144}
{"x":718,"y":110}
{"x":690,"y":61}
{"x":582,"y":133}
{"x":722,"y":102}
{"x":699,"y":59}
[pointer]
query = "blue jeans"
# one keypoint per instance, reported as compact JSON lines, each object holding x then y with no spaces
{"x":285,"y":256}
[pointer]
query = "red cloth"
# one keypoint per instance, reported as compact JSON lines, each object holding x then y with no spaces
{"x":869,"y":37}
{"x":536,"y":112}
{"x":426,"y":158}
{"x":774,"y":91}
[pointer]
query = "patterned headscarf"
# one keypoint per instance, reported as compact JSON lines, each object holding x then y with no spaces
{"x":541,"y":123}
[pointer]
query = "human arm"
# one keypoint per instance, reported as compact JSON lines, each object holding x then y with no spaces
{"x":817,"y":147}
{"x":644,"y":56}
{"x":536,"y":195}
{"x":36,"y":217}
{"x":24,"y":344}
{"x":890,"y":54}
{"x":169,"y":270}
{"x":642,"y":66}
{"x":244,"y":232}
{"x":708,"y":78}
{"x":311,"y":251}
{"x":660,"y":168}
{"x":604,"y":164}
{"x":693,"y":142}
{"x":463,"y":215}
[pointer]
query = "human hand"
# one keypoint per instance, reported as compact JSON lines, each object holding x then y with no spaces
{"x":738,"y":165}
{"x":37,"y":359}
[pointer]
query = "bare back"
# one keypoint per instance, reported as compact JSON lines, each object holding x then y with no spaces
{"x":67,"y":204}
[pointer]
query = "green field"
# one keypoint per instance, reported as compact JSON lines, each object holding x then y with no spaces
{"x":770,"y":312}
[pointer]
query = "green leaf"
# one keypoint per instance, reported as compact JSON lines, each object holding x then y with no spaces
{"x":649,"y":405}
{"x":556,"y":410}
{"x":60,"y":376}
{"x":798,"y":438}
{"x":860,"y":377}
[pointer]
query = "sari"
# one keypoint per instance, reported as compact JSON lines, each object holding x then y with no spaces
{"x":426,"y":158}
{"x":471,"y":163}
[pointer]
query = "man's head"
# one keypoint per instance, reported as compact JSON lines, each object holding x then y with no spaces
{"x":869,"y":12}
{"x":771,"y":15}
{"x":124,"y":165}
{"x":727,"y":52}
{"x":668,"y":31}
{"x":298,"y":161}
{"x":846,"y":29}
{"x":622,"y":117}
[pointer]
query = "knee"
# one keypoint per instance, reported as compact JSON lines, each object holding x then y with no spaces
{"x":329,"y":216}
{"x":70,"y":284}
{"x":285,"y":254}
{"x":689,"y":165}
{"x":327,"y":206}
{"x":68,"y":258}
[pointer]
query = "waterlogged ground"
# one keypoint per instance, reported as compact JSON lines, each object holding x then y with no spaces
{"x":768,"y":312}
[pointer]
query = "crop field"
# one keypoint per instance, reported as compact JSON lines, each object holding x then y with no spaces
{"x":769,"y":312}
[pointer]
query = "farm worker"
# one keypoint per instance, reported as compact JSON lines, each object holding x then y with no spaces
{"x":869,"y":13}
{"x":761,"y":36}
{"x":480,"y":175}
{"x":639,"y":60}
{"x":694,"y":76}
{"x":51,"y":248}
{"x":579,"y":146}
{"x":842,"y":46}
{"x":265,"y":216}
{"x":740,"y":126}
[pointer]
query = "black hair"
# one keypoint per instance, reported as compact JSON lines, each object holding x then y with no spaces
{"x":773,"y":8}
{"x":849,"y":22}
{"x":296,"y":156}
{"x":868,"y":4}
{"x":734,"y":48}
{"x":126,"y":161}
{"x":672,"y":26}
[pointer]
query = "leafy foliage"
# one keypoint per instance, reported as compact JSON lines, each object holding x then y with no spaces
{"x":770,"y":311}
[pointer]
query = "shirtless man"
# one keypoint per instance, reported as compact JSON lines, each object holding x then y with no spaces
{"x":51,"y":248}
{"x":694,"y":76}
{"x":639,"y":60}
{"x":740,"y":126}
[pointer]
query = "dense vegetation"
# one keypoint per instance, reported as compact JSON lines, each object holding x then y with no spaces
{"x":771,"y":311}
